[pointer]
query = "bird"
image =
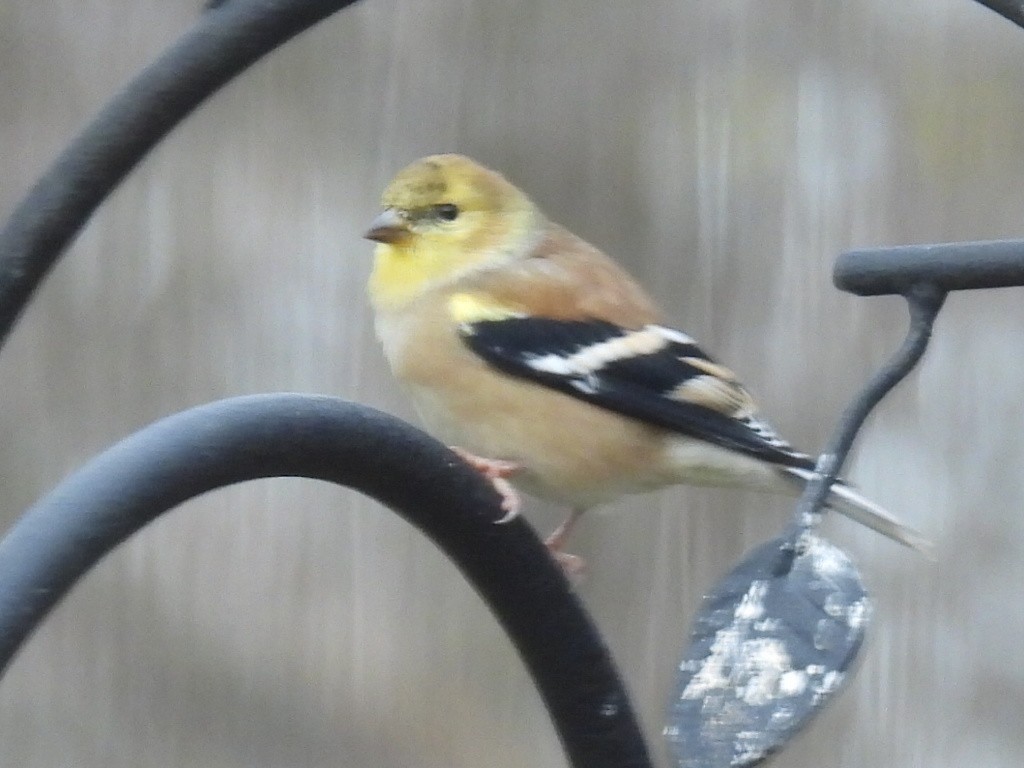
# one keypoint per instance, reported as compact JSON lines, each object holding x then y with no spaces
{"x":549,"y":369}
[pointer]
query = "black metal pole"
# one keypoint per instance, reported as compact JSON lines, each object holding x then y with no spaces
{"x":224,"y":41}
{"x":924,"y":301}
{"x":324,"y":438}
{"x":923,"y":274}
{"x":946,"y":266}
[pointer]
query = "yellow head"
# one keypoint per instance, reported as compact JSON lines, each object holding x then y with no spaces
{"x":445,"y":216}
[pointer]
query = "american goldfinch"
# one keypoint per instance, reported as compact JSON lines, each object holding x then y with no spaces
{"x":549,"y":366}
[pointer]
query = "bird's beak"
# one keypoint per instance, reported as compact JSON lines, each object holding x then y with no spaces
{"x":389,"y":227}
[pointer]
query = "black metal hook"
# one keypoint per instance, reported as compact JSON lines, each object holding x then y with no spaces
{"x":323,"y":438}
{"x":923,"y":275}
{"x":924,"y":301}
{"x":224,"y":42}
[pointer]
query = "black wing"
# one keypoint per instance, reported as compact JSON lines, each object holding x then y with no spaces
{"x":653,"y":374}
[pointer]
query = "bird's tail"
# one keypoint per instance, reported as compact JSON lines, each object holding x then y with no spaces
{"x":843,"y":499}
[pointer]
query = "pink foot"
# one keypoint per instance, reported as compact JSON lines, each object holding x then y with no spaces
{"x":573,"y":566}
{"x":498,"y":472}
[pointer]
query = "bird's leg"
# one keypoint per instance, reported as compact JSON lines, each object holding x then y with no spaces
{"x":573,"y":565}
{"x":497,"y":471}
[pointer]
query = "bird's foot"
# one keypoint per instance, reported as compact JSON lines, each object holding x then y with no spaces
{"x":572,"y":565}
{"x":497,"y":471}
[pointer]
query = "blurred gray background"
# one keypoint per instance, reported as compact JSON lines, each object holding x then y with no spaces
{"x":726,"y":152}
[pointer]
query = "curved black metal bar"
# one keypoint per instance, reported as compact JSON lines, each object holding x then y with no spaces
{"x":947,"y":266}
{"x":324,"y":438}
{"x":923,"y":274}
{"x":225,"y":40}
{"x":1008,"y":9}
{"x":924,"y":302}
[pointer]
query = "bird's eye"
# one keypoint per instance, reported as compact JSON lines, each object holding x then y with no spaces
{"x":447,"y":212}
